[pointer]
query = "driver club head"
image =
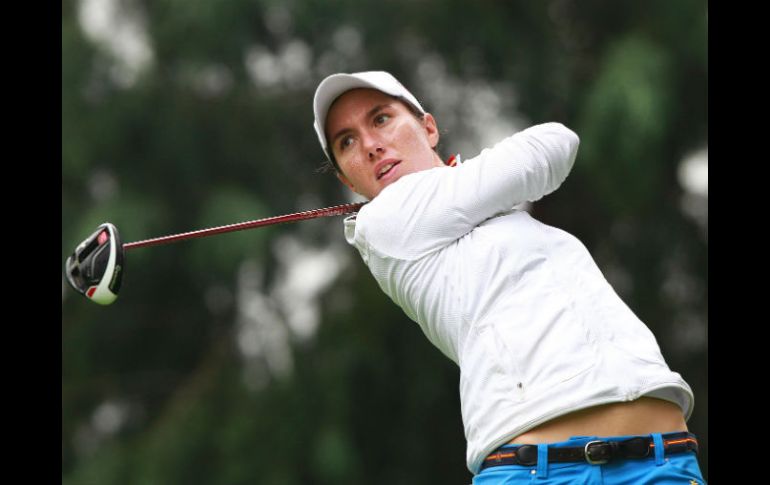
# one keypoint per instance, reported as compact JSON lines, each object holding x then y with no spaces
{"x":95,"y":269}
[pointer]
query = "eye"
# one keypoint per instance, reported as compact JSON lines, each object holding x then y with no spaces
{"x":345,"y":142}
{"x":381,"y":118}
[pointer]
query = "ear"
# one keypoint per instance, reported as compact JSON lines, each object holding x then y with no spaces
{"x":431,"y":128}
{"x":345,"y":181}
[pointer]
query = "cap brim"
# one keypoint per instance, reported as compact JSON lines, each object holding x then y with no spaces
{"x":332,"y":88}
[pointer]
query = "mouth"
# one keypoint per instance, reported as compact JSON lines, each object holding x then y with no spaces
{"x":387,"y":169}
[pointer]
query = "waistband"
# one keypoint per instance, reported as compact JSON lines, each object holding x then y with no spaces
{"x":595,"y":450}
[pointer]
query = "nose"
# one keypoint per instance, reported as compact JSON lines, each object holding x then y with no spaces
{"x":373,"y":146}
{"x":376,"y":151}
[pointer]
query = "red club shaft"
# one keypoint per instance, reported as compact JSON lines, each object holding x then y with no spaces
{"x":337,"y":210}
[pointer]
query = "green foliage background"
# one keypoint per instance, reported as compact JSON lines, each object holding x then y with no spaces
{"x":158,"y":389}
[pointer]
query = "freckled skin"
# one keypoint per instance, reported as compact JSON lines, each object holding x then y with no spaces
{"x":391,"y":132}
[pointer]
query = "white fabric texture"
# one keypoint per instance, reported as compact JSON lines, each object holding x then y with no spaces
{"x":520,"y":306}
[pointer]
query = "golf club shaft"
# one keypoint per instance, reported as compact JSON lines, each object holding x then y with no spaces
{"x":337,"y":210}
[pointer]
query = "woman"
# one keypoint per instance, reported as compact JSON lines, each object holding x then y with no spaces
{"x":558,"y":377}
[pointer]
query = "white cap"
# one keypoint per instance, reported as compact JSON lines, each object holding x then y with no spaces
{"x":337,"y":84}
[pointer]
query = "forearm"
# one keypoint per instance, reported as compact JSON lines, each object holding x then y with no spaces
{"x":524,"y":167}
{"x":429,"y":210}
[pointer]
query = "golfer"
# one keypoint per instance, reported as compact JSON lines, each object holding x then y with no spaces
{"x":560,"y":382}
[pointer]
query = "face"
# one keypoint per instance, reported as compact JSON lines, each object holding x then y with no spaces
{"x":376,"y":140}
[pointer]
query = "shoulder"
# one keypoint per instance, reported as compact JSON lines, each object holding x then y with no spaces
{"x":390,"y":223}
{"x":409,"y":191}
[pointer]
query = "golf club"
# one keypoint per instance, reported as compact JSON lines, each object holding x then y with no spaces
{"x":95,"y":269}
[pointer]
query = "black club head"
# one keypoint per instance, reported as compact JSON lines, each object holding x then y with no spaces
{"x":95,"y":269}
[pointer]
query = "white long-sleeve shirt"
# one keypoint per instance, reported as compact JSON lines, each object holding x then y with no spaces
{"x":520,"y":306}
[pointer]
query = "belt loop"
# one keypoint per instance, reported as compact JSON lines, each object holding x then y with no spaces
{"x":659,"y":451}
{"x":542,"y":460}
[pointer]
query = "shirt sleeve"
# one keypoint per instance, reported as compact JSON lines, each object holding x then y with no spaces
{"x":425,"y":211}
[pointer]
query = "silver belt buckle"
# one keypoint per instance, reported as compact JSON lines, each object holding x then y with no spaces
{"x":588,"y":455}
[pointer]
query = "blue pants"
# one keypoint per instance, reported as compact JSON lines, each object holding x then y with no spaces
{"x":676,"y":468}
